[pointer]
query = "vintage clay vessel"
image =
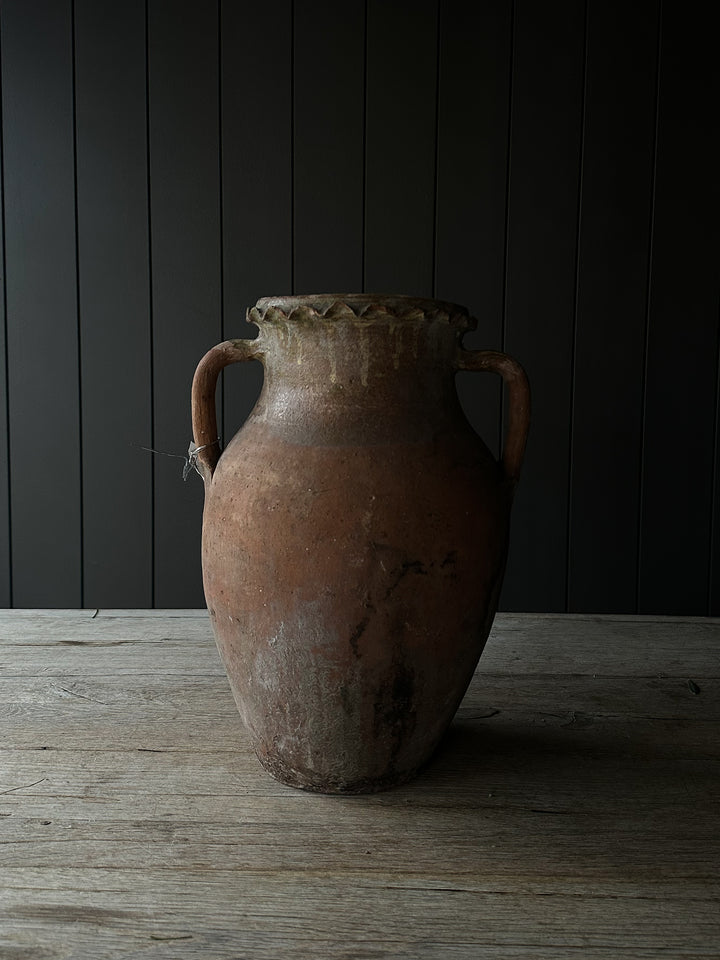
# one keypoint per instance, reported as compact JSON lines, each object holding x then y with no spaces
{"x":354,"y":534}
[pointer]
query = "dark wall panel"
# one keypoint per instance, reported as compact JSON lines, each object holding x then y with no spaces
{"x":185,"y":268}
{"x":41,"y":284}
{"x":5,"y":560}
{"x":545,"y":149}
{"x":714,"y":565}
{"x":402,"y":62}
{"x":552,"y":166}
{"x":614,"y":240}
{"x":328,"y":146}
{"x":475,"y":46}
{"x":114,"y":301}
{"x":256,"y":154}
{"x":680,"y":396}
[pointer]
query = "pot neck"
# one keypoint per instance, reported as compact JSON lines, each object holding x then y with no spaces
{"x":366,"y":379}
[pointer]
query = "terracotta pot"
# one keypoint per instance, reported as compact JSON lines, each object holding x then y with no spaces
{"x":354,"y":533}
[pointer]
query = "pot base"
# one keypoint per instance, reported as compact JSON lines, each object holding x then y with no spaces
{"x":312,"y":783}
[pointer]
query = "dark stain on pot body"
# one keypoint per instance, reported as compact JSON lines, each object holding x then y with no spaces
{"x":362,"y":625}
{"x":395,"y":714}
{"x":406,"y":567}
{"x":357,"y":633}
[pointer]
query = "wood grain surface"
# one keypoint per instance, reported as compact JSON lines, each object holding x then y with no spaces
{"x":571,"y":811}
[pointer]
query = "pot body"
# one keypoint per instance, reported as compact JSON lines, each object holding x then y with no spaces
{"x":354,"y":540}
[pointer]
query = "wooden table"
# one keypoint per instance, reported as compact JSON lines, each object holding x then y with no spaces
{"x":572,"y":812}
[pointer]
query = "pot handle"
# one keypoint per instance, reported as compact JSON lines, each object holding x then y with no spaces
{"x":519,"y":390}
{"x":205,"y":449}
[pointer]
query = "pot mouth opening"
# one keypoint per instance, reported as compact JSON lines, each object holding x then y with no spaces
{"x":366,"y":307}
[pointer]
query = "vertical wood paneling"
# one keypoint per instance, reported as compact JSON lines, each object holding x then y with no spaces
{"x":474,"y":90}
{"x":114,"y":301}
{"x":37,"y":82}
{"x":714,"y":572}
{"x":185,"y":264}
{"x":504,"y":155}
{"x":5,"y":577}
{"x":256,"y":58}
{"x":612,"y":289}
{"x":680,"y":395}
{"x":328,"y":145}
{"x":548,"y":80}
{"x":402,"y":58}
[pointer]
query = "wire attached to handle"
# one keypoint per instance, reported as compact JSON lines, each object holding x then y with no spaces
{"x":191,"y":460}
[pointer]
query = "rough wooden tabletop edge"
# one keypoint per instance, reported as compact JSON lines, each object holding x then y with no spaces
{"x":94,"y":613}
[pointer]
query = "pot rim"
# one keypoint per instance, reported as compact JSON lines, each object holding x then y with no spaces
{"x":361,"y":306}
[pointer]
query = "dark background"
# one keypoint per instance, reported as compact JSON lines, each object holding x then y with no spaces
{"x":550,"y":165}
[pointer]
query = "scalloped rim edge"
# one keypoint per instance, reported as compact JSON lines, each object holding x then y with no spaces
{"x":366,"y":307}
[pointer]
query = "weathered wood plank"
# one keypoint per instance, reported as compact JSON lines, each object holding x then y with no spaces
{"x":63,"y":884}
{"x":261,"y":946}
{"x":511,"y":843}
{"x":200,"y":613}
{"x":135,"y":630}
{"x":156,"y":654}
{"x":518,"y":644}
{"x":321,"y":918}
{"x":50,"y":699}
{"x":571,"y":811}
{"x":483,"y":805}
{"x":165,"y":614}
{"x":51,"y":706}
{"x":532,"y":764}
{"x":31,"y":614}
{"x":603,"y":645}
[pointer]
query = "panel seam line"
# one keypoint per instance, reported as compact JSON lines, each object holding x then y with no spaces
{"x":576,"y":302}
{"x":221,"y":219}
{"x":292,"y":146}
{"x":714,"y":477}
{"x":648,"y":302}
{"x":81,"y":470}
{"x":363,"y":267}
{"x":506,"y":239}
{"x":6,"y":341}
{"x":436,"y":168}
{"x":151,"y":330}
